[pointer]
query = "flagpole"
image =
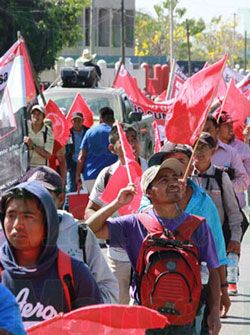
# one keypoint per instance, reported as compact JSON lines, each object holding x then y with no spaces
{"x":125,"y":158}
{"x":171,"y":76}
{"x":223,"y":103}
{"x":197,"y":141}
{"x":19,"y":36}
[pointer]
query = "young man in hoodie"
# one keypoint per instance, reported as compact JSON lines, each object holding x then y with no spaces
{"x":68,"y":239}
{"x":29,"y":257}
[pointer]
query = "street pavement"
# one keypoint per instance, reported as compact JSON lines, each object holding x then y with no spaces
{"x":238,"y":320}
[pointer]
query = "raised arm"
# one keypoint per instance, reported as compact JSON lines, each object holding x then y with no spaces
{"x":97,"y":221}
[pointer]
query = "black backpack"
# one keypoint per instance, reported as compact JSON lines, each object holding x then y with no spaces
{"x":225,"y":227}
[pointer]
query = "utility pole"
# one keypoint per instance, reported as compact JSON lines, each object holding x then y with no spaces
{"x":123,"y":32}
{"x":171,"y":24}
{"x":92,"y":27}
{"x":245,"y":50}
{"x":234,"y":38}
{"x":188,"y":49}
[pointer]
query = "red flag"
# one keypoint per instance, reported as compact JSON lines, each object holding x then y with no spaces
{"x":19,"y":48}
{"x":157,"y":147}
{"x":131,"y":172}
{"x":79,"y":105}
{"x":120,"y":180}
{"x":102,"y":320}
{"x":126,"y":147}
{"x":141,"y":103}
{"x":237,"y":106}
{"x":60,"y":125}
{"x":192,"y":104}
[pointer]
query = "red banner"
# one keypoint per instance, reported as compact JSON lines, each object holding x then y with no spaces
{"x":160,"y":111}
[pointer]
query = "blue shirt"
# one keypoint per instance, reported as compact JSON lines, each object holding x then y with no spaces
{"x":95,"y":143}
{"x":78,"y":136}
{"x":202,"y":205}
{"x":10,"y":318}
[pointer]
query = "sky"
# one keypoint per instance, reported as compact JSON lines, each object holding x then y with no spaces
{"x":203,"y":8}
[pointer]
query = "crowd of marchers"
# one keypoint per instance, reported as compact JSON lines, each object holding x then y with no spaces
{"x":178,"y":254}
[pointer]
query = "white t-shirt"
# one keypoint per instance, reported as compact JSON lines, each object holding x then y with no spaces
{"x":95,"y":196}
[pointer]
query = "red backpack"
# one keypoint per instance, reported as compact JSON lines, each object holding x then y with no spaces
{"x":168,"y":270}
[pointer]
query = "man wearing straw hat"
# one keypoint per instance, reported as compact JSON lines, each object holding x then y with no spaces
{"x":87,"y":59}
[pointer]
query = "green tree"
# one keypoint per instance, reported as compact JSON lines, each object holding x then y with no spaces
{"x":219,"y":37}
{"x":46,"y":25}
{"x":152,"y":34}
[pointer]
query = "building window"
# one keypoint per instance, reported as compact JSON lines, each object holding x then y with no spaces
{"x":103,"y":27}
{"x":129,"y":28}
{"x":87,"y":26}
{"x":116,"y":28}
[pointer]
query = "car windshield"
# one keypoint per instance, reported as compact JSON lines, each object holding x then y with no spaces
{"x":95,"y":100}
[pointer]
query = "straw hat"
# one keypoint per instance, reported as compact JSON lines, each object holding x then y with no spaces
{"x":87,"y":56}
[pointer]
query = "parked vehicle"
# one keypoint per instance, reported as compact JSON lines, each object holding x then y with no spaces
{"x":117,"y":99}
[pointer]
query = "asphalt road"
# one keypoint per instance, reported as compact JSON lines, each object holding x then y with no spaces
{"x":238,"y":320}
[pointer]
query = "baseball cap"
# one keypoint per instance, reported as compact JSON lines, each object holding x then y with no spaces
{"x":169,"y":148}
{"x":76,"y":115}
{"x":207,"y":139}
{"x":48,"y":177}
{"x":224,"y":117}
{"x":38,"y":107}
{"x":150,"y":174}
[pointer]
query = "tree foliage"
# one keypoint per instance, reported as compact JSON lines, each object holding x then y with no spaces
{"x":46,"y":25}
{"x":208,"y":42}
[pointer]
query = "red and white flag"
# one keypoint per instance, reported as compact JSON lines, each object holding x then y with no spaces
{"x":59,"y":123}
{"x":177,"y":79}
{"x":191,"y":107}
{"x":19,"y":49}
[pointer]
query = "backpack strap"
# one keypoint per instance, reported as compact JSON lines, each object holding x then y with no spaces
{"x":82,"y":233}
{"x":45,"y":133}
{"x":64,"y":266}
{"x":107,"y":177}
{"x":150,"y":223}
{"x":188,"y":227}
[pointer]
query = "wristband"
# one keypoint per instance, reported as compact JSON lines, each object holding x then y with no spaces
{"x":224,"y":285}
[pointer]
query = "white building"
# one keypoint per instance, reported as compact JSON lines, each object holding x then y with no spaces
{"x":106,"y":28}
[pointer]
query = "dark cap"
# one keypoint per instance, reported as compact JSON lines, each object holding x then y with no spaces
{"x":207,"y":139}
{"x":167,"y":149}
{"x":224,"y":117}
{"x":76,"y":115}
{"x":48,"y":177}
